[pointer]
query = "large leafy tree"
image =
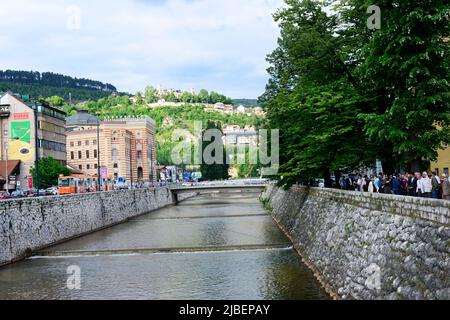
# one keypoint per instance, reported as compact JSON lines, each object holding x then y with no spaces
{"x":343,"y":95}
{"x":49,"y":171}
{"x":312,"y":97}
{"x":405,"y":75}
{"x":218,"y":170}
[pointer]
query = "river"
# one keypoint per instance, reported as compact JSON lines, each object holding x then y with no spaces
{"x":218,"y":246}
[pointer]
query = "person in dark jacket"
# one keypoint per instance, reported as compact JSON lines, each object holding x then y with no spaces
{"x":412,"y":185}
{"x":397,"y":185}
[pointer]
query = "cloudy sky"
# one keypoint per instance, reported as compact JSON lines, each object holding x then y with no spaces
{"x":214,"y":44}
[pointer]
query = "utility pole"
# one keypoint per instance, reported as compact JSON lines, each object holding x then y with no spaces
{"x":36,"y":139}
{"x":131,"y":164}
{"x":6,"y":173}
{"x":98,"y":157}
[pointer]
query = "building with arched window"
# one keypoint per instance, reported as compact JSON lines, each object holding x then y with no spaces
{"x":126,"y":148}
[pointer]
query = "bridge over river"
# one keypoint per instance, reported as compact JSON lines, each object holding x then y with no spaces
{"x":213,"y":246}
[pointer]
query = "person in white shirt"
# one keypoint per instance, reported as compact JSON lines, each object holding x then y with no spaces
{"x":427,"y":187}
{"x":419,"y":187}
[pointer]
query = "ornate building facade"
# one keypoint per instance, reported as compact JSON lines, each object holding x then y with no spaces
{"x":126,"y":148}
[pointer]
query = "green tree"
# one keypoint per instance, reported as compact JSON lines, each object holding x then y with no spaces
{"x":151,"y":94}
{"x":203,"y":96}
{"x":49,"y":171}
{"x":139,"y":98}
{"x":405,"y":76}
{"x":312,"y":99}
{"x":216,"y":171}
{"x":56,"y":101}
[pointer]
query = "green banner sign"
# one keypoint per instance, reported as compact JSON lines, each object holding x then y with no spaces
{"x":21,"y":131}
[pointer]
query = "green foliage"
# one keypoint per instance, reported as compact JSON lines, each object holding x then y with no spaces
{"x":47,"y":84}
{"x":406,"y":78}
{"x":55,"y":101}
{"x":216,"y":171}
{"x":49,"y":171}
{"x":344,"y":96}
{"x":151,"y":94}
{"x":43,"y":91}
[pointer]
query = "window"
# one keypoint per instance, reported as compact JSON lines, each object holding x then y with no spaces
{"x":79,"y":143}
{"x":72,"y":155}
{"x":95,"y":153}
{"x":139,"y":151}
{"x":87,"y":154}
{"x":446,"y":171}
{"x":115,"y":136}
{"x":115,"y":166}
{"x":86,"y":142}
{"x":88,"y":166}
{"x":94,"y":142}
{"x":79,"y":155}
{"x":80,"y":167}
{"x":114,"y":154}
{"x":72,"y":144}
{"x":95,"y":166}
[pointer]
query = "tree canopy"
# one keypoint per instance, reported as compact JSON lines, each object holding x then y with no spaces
{"x":343,"y":95}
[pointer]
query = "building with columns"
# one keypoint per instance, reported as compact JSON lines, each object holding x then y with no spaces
{"x":124,"y":148}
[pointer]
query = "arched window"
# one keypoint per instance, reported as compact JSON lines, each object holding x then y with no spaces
{"x":115,"y":135}
{"x":114,"y":154}
{"x":139,"y":151}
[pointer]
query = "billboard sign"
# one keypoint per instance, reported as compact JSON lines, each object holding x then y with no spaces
{"x":104,"y":172}
{"x":20,"y":147}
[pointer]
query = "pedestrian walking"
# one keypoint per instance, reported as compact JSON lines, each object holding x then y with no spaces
{"x":445,"y":184}
{"x":426,"y":185}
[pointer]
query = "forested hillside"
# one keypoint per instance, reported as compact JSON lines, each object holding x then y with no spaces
{"x":46,"y":84}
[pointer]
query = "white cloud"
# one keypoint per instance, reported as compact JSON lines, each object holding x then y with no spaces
{"x":216,"y":44}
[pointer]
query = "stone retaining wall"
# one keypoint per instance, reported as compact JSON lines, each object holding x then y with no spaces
{"x":30,"y":224}
{"x":368,"y":246}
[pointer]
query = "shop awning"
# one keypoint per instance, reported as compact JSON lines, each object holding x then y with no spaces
{"x":7,"y":168}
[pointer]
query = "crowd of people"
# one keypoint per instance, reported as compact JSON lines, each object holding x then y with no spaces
{"x":414,"y":185}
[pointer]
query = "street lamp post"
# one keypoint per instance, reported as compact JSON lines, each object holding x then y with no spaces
{"x":98,"y":157}
{"x":6,"y":173}
{"x":36,"y":139}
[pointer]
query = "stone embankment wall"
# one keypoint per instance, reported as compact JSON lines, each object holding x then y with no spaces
{"x":30,"y":224}
{"x":368,"y":246}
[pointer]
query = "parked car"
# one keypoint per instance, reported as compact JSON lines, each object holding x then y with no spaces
{"x":52,"y":191}
{"x":4,"y":195}
{"x":18,"y":194}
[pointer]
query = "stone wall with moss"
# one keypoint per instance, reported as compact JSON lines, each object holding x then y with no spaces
{"x":368,"y":246}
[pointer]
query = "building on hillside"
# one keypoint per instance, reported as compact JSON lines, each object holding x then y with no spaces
{"x":126,"y":148}
{"x":259,"y":111}
{"x":234,"y":135}
{"x":442,"y":164}
{"x":18,"y":138}
{"x":231,"y":128}
{"x":241,"y":109}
